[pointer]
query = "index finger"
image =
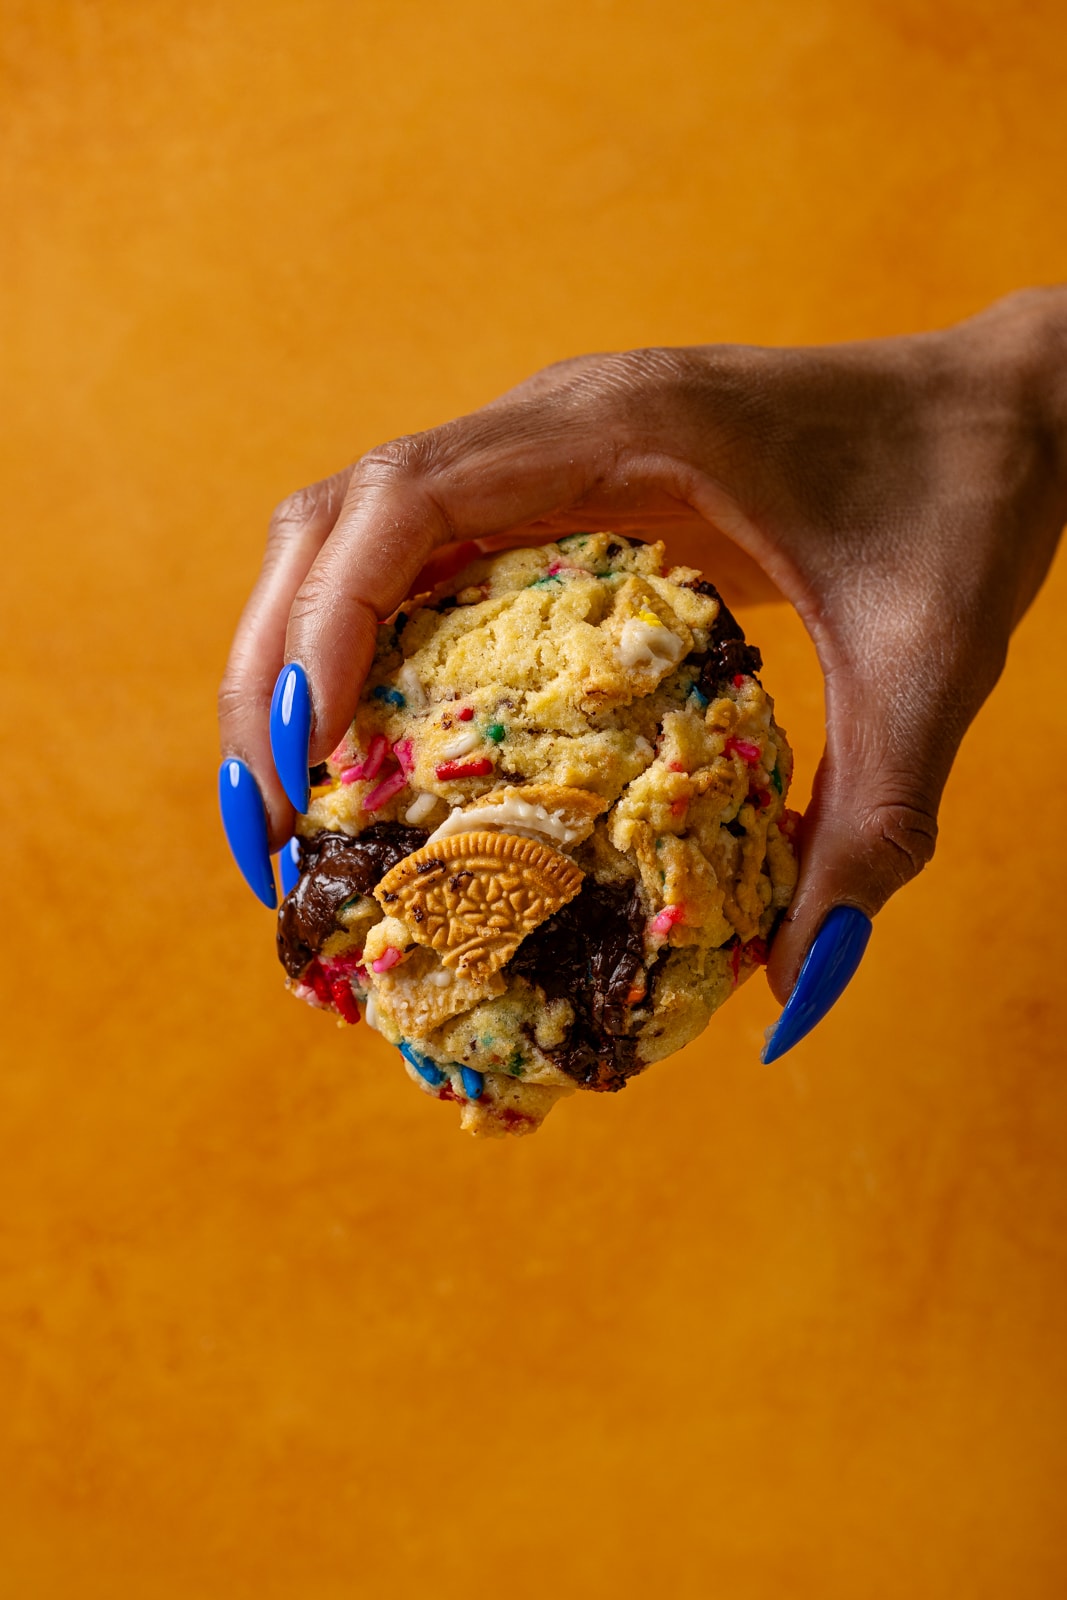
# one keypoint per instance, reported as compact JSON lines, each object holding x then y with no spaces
{"x":482,"y":476}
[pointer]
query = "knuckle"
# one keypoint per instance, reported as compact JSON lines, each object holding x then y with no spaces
{"x":636,"y":376}
{"x":412,"y":455}
{"x":315,"y":502}
{"x":231,"y":700}
{"x":903,"y":834}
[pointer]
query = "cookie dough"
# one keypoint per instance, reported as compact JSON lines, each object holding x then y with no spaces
{"x":554,"y":839}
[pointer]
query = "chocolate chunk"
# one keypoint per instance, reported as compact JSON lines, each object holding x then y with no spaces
{"x":590,"y":953}
{"x":334,"y":870}
{"x":727,"y":654}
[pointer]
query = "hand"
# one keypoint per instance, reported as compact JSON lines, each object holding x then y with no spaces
{"x":905,"y":495}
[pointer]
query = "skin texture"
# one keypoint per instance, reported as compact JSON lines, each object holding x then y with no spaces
{"x":905,"y":495}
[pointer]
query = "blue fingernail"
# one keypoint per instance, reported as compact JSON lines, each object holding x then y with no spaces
{"x":828,"y":966}
{"x":245,"y":822}
{"x":473,"y":1083}
{"x":423,"y":1065}
{"x":289,"y":865}
{"x":290,"y":731}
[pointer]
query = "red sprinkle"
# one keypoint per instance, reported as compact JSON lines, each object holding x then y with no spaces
{"x":749,"y":752}
{"x":466,"y":714}
{"x":319,"y":981}
{"x":332,"y":989}
{"x":347,"y":961}
{"x":762,"y":797}
{"x":675,"y":766}
{"x":678,"y":806}
{"x":344,"y":1000}
{"x":739,"y":679}
{"x":464,"y":769}
{"x":404,"y":752}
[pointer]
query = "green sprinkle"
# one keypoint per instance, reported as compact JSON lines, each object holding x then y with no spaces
{"x":497,"y":731}
{"x":539,"y":583}
{"x":776,"y":778}
{"x":515,"y":1064}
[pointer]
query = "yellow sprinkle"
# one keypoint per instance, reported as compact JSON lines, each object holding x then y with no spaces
{"x":319,"y":790}
{"x":649,"y":616}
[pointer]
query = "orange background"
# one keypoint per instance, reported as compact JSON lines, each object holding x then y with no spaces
{"x":269,"y":1326}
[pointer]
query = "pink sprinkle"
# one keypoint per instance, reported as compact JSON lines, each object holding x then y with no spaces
{"x":341,"y":753}
{"x":466,"y":714}
{"x":405,"y":754}
{"x":385,"y":790}
{"x":675,"y":766}
{"x":389,"y":958}
{"x":375,"y":755}
{"x":664,"y":920}
{"x":749,"y":753}
{"x":557,"y":566}
{"x":370,"y":763}
{"x":678,"y":806}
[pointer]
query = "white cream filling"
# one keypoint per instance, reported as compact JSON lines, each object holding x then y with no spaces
{"x":462,"y":744}
{"x":407,"y":681}
{"x":513,"y":814}
{"x":420,"y":808}
{"x":646,"y":644}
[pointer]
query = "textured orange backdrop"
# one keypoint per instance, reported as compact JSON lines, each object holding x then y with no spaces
{"x":269,"y":1325}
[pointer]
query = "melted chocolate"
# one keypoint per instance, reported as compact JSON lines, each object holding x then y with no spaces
{"x":727,"y":653}
{"x":334,"y":870}
{"x":590,"y":953}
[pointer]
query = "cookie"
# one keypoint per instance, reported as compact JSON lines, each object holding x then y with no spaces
{"x":554,"y":839}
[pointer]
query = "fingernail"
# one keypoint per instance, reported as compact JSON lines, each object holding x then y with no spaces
{"x":828,"y":967}
{"x":290,"y":731}
{"x":245,"y":822}
{"x":289,"y":866}
{"x":473,"y":1083}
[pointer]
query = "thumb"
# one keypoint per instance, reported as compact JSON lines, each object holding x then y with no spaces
{"x":870,"y":829}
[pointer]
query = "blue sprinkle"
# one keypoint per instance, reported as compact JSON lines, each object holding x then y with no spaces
{"x":701,"y":699}
{"x":473,"y":1083}
{"x":392,"y":697}
{"x":423,"y":1065}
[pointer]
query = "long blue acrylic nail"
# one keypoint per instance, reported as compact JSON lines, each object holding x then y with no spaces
{"x":289,"y":865}
{"x":245,"y":822}
{"x":835,"y":954}
{"x":423,"y":1065}
{"x":473,"y":1083}
{"x":290,"y":731}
